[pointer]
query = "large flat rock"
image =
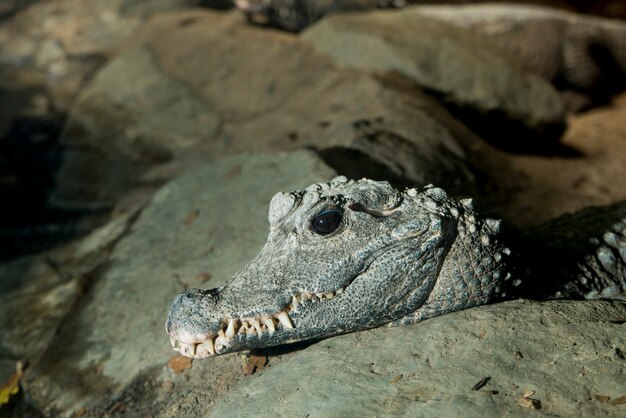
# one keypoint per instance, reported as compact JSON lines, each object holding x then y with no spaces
{"x":565,"y":357}
{"x":198,"y":230}
{"x":37,"y":292}
{"x":454,"y":64}
{"x":131,"y":115}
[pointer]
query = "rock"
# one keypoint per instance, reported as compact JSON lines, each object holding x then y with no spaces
{"x":147,"y":8}
{"x":153,"y":115}
{"x":453,"y":64}
{"x":239,"y":69}
{"x":64,"y":42}
{"x":340,"y":113}
{"x":577,"y":52}
{"x":198,"y":230}
{"x":132,"y":114}
{"x":169,"y":96}
{"x":489,"y":361}
{"x":38,"y":292}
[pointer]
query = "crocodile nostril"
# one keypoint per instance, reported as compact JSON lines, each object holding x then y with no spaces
{"x":192,"y":293}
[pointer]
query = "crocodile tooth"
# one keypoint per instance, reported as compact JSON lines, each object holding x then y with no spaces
{"x":269,"y":323}
{"x":306,"y":295}
{"x":173,"y":341}
{"x":221,"y":334}
{"x":230,"y":331}
{"x":339,"y":291}
{"x":285,"y":320}
{"x":201,"y":351}
{"x":188,"y":350}
{"x":257,"y":326}
{"x":295,"y":303}
{"x":320,"y":295}
{"x":329,"y":295}
{"x":210,"y":346}
{"x":219,"y":343}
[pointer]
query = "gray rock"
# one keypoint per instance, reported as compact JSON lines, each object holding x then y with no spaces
{"x":64,"y":42}
{"x":156,"y":101}
{"x":153,"y":115}
{"x":559,"y":45}
{"x":451,"y":63}
{"x":134,"y":113}
{"x":559,"y":355}
{"x":198,"y":230}
{"x":356,"y":121}
{"x":38,"y":292}
{"x":149,"y":7}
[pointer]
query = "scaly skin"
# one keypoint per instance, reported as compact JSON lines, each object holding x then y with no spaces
{"x":395,"y":255}
{"x":395,"y":258}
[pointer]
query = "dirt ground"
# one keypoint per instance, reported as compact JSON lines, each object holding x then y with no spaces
{"x":590,"y":169}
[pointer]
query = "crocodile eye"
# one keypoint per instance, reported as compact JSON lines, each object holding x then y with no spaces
{"x":326,"y":221}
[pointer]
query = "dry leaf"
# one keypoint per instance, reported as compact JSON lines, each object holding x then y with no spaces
{"x":118,"y":407}
{"x":618,"y":401}
{"x":179,"y":363}
{"x":602,"y":398}
{"x":12,"y":387}
{"x":253,"y":363}
{"x":528,"y":393}
{"x":396,"y":379}
{"x":191,"y":217}
{"x":529,"y":403}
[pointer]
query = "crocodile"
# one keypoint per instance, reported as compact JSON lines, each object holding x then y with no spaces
{"x":348,"y":255}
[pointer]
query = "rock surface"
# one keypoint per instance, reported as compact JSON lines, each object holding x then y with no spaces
{"x":50,"y":285}
{"x":453,"y":64}
{"x":564,"y":357}
{"x":164,"y":98}
{"x":129,"y":116}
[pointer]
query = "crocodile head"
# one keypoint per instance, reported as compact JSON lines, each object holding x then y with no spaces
{"x":346,"y":256}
